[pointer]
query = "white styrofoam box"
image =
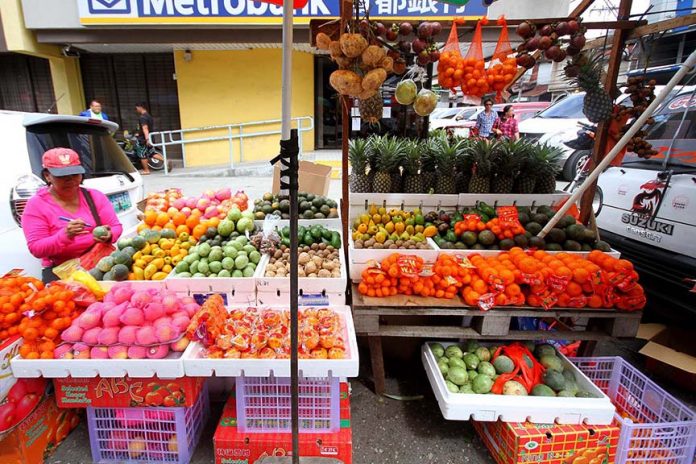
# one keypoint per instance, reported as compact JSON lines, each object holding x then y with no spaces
{"x":360,"y":202}
{"x":9,"y":348}
{"x":170,"y":367}
{"x":511,"y":199}
{"x":536,"y":409}
{"x":322,"y":298}
{"x":237,"y":289}
{"x":362,"y":258}
{"x":136,"y":284}
{"x":197,"y":365}
{"x":330,"y":223}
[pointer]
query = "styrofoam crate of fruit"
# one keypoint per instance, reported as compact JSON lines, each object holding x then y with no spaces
{"x":237,"y":289}
{"x":276,"y":290}
{"x":512,"y":199}
{"x":467,"y":252}
{"x":388,"y":200}
{"x":197,"y":365}
{"x":170,"y":367}
{"x":596,"y":410}
{"x":362,"y":258}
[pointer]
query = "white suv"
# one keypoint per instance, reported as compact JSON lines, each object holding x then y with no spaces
{"x":26,"y":136}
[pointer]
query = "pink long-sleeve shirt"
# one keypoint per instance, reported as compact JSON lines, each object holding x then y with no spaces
{"x":46,"y":234}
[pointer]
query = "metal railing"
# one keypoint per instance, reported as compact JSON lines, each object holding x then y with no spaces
{"x":239,"y":131}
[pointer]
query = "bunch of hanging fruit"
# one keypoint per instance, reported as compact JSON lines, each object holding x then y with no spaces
{"x":419,"y":41}
{"x":363,"y":68}
{"x":642,"y":93}
{"x":557,"y":41}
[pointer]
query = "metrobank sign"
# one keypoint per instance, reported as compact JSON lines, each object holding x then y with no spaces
{"x":249,"y":12}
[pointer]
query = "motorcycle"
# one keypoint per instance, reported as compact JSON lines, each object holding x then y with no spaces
{"x":130,"y":144}
{"x":583,"y":145}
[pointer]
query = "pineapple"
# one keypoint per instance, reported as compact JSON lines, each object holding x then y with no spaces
{"x":388,"y":152}
{"x":505,"y":165}
{"x":358,"y":153}
{"x":412,"y":161}
{"x":547,"y":167}
{"x":371,"y":109}
{"x":446,"y":154}
{"x":428,"y":165}
{"x":372,"y":160}
{"x":463,"y":170}
{"x":589,"y":66}
{"x":525,"y":182}
{"x":481,"y":172}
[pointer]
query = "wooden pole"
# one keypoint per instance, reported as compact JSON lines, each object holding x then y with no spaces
{"x":602,"y":135}
{"x":346,"y":104}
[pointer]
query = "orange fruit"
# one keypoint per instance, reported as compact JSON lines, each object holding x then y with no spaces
{"x":563,"y":271}
{"x":150,"y":217}
{"x":199,"y":231}
{"x":162,"y":219}
{"x":213,"y":221}
{"x":192,"y":221}
{"x":178,"y":219}
{"x":573,"y":289}
{"x":182,"y":229}
{"x":580,"y":275}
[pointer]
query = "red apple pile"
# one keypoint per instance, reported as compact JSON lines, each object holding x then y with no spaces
{"x":21,"y":400}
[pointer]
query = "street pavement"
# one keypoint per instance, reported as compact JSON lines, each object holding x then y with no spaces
{"x":407,"y":431}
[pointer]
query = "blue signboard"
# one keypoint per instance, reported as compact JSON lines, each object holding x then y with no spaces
{"x":192,"y":12}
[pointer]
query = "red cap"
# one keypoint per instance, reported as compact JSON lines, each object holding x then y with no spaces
{"x":62,"y":162}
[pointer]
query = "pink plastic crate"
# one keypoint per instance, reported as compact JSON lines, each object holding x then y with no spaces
{"x":656,"y":428}
{"x":263,"y":404}
{"x":142,"y":435}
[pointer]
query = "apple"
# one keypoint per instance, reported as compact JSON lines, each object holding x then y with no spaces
{"x":8,"y":416}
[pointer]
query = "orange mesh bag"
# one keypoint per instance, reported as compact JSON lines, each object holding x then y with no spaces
{"x":528,"y":371}
{"x":503,"y":67}
{"x":450,"y":67}
{"x":475,"y":83}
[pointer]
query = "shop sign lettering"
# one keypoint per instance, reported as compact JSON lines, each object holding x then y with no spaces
{"x":195,"y":12}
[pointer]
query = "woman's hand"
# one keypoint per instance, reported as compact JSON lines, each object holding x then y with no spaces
{"x":75,"y":227}
{"x":106,"y":238}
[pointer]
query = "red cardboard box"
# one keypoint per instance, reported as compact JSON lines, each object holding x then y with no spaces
{"x":126,"y":392}
{"x":34,"y":439}
{"x":513,"y":443}
{"x":235,"y":447}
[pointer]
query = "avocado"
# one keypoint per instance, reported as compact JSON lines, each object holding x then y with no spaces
{"x":537,"y":242}
{"x":545,"y":210}
{"x":506,"y":244}
{"x":553,"y":247}
{"x":486,"y":237}
{"x":542,"y":390}
{"x":540,"y":218}
{"x":589,"y":236}
{"x":533,"y":228}
{"x":493,"y":247}
{"x":523,"y":218}
{"x":575,"y":232}
{"x":586,"y":247}
{"x":520,"y":241}
{"x":551,"y":363}
{"x":478,"y":246}
{"x":566,"y":221}
{"x":304,"y":206}
{"x":556,"y":235}
{"x":554,"y":380}
{"x":469,"y":238}
{"x":572,"y":245}
{"x":602,"y":246}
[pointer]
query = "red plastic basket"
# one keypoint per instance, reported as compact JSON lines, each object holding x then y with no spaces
{"x":263,"y":404}
{"x":655,"y":426}
{"x":141,"y":435}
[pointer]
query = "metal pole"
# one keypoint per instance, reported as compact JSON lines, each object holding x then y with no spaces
{"x":229,"y":135}
{"x":685,"y":68}
{"x":286,"y":125}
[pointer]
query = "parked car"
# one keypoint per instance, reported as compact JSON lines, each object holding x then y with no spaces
{"x":26,"y":136}
{"x":464,"y":121}
{"x":647,"y":210}
{"x":560,"y":123}
{"x":441,"y":117}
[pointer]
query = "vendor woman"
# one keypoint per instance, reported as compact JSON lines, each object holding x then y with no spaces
{"x":58,"y":221}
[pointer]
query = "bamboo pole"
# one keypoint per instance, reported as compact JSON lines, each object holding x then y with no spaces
{"x":685,"y":68}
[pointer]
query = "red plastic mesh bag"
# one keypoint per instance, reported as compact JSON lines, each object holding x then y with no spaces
{"x":450,"y":67}
{"x":503,"y":67}
{"x":475,"y":82}
{"x":523,"y":373}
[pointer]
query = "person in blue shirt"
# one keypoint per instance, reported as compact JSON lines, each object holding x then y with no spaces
{"x":94,"y":111}
{"x":486,"y":119}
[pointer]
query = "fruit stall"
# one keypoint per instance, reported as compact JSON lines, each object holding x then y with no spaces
{"x":461,"y":243}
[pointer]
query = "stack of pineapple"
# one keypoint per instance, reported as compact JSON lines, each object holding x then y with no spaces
{"x":442,"y":165}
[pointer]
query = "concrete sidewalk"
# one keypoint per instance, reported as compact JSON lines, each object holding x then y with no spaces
{"x":257,"y":168}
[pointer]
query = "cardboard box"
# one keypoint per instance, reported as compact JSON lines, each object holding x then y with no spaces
{"x":9,"y":348}
{"x":235,"y":447}
{"x":126,"y":392}
{"x":34,"y":439}
{"x":670,"y":353}
{"x":314,"y":178}
{"x":512,"y":443}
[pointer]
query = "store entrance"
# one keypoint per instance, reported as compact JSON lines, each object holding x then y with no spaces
{"x":327,"y":109}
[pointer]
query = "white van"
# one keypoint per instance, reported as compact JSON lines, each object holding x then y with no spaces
{"x":25,"y":137}
{"x":647,"y":209}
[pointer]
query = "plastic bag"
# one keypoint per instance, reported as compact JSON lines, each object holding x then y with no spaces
{"x":503,"y":67}
{"x":82,"y":295}
{"x":475,"y":82}
{"x":450,"y":67}
{"x":527,"y":375}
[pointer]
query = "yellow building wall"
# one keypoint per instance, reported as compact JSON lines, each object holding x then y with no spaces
{"x":65,"y":72}
{"x":235,"y":86}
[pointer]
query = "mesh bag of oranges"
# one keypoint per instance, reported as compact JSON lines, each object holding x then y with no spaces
{"x":475,"y":82}
{"x":503,"y":67}
{"x":450,"y":66}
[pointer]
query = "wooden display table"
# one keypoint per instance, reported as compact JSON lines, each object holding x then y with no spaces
{"x":472,"y":323}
